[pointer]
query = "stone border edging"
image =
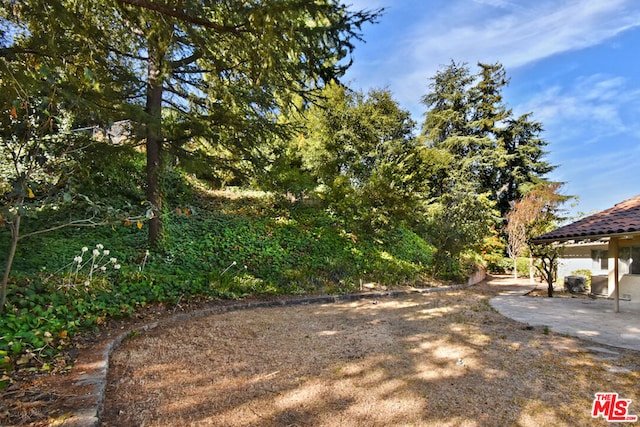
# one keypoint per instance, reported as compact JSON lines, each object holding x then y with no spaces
{"x":91,"y":375}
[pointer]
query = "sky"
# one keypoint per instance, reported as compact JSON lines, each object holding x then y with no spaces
{"x":573,"y":64}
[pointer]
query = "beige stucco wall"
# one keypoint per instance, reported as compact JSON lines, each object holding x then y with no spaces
{"x":629,"y":283}
{"x":578,"y":257}
{"x":629,"y":287}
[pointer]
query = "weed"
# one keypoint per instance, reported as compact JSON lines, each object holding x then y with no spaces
{"x":96,"y":264}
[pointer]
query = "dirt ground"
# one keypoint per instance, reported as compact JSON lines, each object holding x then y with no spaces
{"x":441,"y":359}
{"x":436,"y":359}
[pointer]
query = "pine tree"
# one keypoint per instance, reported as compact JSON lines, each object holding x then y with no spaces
{"x":449,"y":109}
{"x":198,"y":72}
{"x":525,"y":165}
{"x":467,"y":117}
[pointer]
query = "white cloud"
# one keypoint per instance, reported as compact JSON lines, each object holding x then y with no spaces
{"x":519,"y":35}
{"x":503,"y":4}
{"x":591,"y":122}
{"x":593,"y":107}
{"x":600,"y":88}
{"x":514,"y":33}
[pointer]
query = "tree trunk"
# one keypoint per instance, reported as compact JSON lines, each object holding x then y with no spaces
{"x":547,"y":265}
{"x":154,"y":139}
{"x":515,"y":268}
{"x":15,"y":233}
{"x":531,"y":271}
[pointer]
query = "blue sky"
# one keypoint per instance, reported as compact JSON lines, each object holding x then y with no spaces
{"x":574,"y":64}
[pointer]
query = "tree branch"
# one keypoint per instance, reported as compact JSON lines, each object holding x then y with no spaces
{"x":87,"y":222}
{"x":78,"y":223}
{"x":186,"y":61}
{"x":176,"y":107}
{"x":233,"y":29}
{"x":12,"y":52}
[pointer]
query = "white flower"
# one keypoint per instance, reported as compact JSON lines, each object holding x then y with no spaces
{"x":106,"y":252}
{"x":87,"y":283}
{"x":78,"y":259}
{"x":100,"y":246}
{"x":96,"y":252}
{"x":84,"y":249}
{"x":116,"y":267}
{"x":113,"y":260}
{"x":103,"y":268}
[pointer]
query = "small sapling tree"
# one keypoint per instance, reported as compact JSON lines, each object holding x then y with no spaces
{"x":533,"y":215}
{"x":37,"y":147}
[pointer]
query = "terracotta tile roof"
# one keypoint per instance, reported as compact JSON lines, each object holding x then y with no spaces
{"x":623,"y":218}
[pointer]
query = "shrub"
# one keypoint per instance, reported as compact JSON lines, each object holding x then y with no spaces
{"x":585,"y":273}
{"x":522,"y":264}
{"x":500,"y":265}
{"x":504,"y":265}
{"x":223,"y":249}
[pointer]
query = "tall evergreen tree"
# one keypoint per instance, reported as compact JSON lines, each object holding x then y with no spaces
{"x":449,"y":109}
{"x":486,"y":96}
{"x":467,"y":117}
{"x":488,"y":113}
{"x":223,"y":69}
{"x":526,"y":166}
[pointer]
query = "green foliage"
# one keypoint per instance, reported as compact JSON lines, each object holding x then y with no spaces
{"x":467,"y":117}
{"x":504,"y":265}
{"x":500,"y":265}
{"x":36,"y":143}
{"x":293,"y":251}
{"x":457,"y":222}
{"x":287,"y":175}
{"x":109,"y":172}
{"x":491,"y":251}
{"x":586,"y":273}
{"x":522,"y":265}
{"x":213,"y":76}
{"x":358,"y":153}
{"x":42,"y":317}
{"x":219,"y":248}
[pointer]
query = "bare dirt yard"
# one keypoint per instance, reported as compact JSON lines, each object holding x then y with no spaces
{"x":433,"y":359}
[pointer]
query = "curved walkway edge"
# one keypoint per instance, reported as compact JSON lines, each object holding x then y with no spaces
{"x":89,"y":374}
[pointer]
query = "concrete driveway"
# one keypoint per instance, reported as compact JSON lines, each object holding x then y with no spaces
{"x":590,"y":319}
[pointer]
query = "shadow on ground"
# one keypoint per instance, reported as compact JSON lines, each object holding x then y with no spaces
{"x":431,"y":359}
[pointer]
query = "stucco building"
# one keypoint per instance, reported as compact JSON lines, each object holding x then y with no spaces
{"x":607,"y":244}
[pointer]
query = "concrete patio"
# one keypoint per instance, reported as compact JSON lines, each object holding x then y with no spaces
{"x":590,"y":319}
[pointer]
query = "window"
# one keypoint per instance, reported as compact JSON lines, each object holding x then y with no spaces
{"x":630,"y":260}
{"x":600,"y":259}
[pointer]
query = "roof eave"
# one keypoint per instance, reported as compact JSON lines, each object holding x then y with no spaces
{"x":585,"y":237}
